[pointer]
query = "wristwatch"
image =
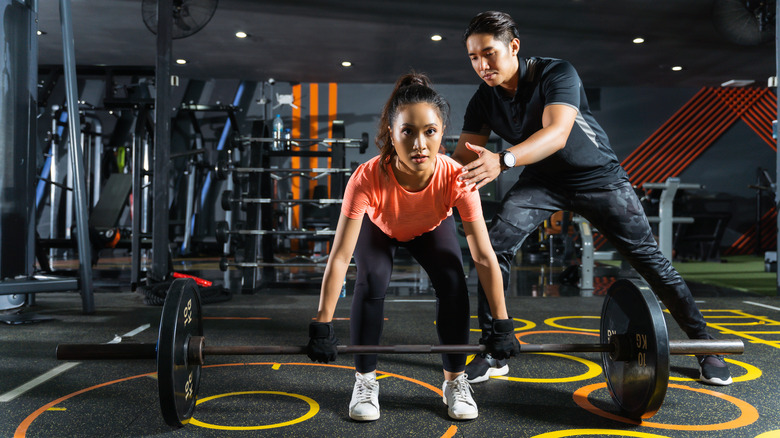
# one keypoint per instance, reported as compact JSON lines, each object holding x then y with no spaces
{"x":508,"y":160}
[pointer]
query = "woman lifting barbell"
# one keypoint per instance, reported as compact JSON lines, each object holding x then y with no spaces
{"x":404,"y":197}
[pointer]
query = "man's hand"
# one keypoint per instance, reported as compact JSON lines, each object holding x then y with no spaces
{"x":481,"y":171}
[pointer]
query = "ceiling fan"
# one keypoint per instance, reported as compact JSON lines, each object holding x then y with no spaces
{"x":189,"y":16}
{"x":745,"y":22}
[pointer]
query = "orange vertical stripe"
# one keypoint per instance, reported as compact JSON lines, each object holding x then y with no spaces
{"x":296,"y":161}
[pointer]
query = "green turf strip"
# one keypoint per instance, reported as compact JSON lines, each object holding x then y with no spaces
{"x":744,"y":273}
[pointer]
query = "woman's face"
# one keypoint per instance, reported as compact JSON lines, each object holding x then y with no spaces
{"x":416,"y":133}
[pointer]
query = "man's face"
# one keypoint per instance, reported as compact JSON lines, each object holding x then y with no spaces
{"x":494,"y":61}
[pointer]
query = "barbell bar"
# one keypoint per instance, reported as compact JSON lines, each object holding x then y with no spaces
{"x":634,"y":347}
{"x":225,"y":264}
{"x":227,"y":200}
{"x":222,"y":230}
{"x":223,"y":167}
{"x":361,"y":143}
{"x":197,"y":350}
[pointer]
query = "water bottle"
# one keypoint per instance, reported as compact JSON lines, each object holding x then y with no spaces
{"x":278,"y":128}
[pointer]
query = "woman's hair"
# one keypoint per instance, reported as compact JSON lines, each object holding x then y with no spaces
{"x":498,"y":24}
{"x":409,"y":89}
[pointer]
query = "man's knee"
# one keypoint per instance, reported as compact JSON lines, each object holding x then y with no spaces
{"x":505,"y":237}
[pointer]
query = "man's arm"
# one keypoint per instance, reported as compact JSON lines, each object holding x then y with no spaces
{"x":485,"y":166}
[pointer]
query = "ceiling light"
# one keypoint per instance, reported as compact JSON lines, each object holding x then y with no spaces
{"x":181,"y":61}
{"x":738,"y":83}
{"x":638,"y":40}
{"x":346,"y":64}
{"x":436,"y":37}
{"x":677,"y":68}
{"x":40,"y":32}
{"x":241,"y":34}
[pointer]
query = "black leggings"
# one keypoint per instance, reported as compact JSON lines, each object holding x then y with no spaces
{"x":618,"y":214}
{"x":439,"y":253}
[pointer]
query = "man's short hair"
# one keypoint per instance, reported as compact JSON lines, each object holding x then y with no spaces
{"x":498,"y":24}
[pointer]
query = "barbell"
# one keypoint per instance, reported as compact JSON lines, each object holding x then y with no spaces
{"x":361,"y":143}
{"x":223,"y":167}
{"x":222,"y":230}
{"x":227,"y":200}
{"x":225,"y":264}
{"x":634,"y":347}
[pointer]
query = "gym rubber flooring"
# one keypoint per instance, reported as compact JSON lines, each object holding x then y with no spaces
{"x":544,"y":395}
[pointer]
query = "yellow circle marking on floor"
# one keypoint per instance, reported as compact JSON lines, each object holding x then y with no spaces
{"x":576,"y":432}
{"x":770,"y":434}
{"x":594,"y":369}
{"x":21,"y":430}
{"x":552,"y":322}
{"x":748,"y":413}
{"x":314,"y":407}
{"x":752,"y":373}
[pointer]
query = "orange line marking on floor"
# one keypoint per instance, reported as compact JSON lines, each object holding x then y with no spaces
{"x":450,"y":432}
{"x":21,"y":430}
{"x":748,"y":413}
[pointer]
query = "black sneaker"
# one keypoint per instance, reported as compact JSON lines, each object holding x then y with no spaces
{"x":714,"y":370}
{"x":482,"y":367}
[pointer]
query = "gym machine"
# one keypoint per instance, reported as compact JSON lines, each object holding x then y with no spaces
{"x":253,"y":193}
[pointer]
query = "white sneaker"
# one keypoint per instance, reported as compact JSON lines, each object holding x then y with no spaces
{"x":364,"y":405}
{"x":457,"y":397}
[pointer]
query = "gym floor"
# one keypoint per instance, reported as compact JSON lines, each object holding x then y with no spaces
{"x":544,"y":395}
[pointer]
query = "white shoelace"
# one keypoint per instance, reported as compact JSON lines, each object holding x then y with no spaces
{"x":365,"y":388}
{"x":461,"y":388}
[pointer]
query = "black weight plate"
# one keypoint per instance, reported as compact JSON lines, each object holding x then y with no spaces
{"x":637,"y":386}
{"x":221,"y":232}
{"x":178,"y":381}
{"x":221,"y":170}
{"x":225,"y":199}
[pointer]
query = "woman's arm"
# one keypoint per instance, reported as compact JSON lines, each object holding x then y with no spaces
{"x":344,"y":242}
{"x":487,"y":266}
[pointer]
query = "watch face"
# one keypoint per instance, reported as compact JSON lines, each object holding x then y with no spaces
{"x":508,"y":158}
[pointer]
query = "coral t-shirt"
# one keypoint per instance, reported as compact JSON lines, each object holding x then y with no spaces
{"x":404,"y":215}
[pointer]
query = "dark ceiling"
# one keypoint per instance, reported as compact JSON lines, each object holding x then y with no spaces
{"x":306,"y":40}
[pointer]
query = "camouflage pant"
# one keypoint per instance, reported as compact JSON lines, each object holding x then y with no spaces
{"x":617,"y":213}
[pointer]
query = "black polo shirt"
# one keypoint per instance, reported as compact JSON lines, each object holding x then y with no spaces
{"x":587,"y":161}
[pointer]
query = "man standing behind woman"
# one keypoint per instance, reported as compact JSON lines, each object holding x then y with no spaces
{"x":404,"y":198}
{"x":538,"y":106}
